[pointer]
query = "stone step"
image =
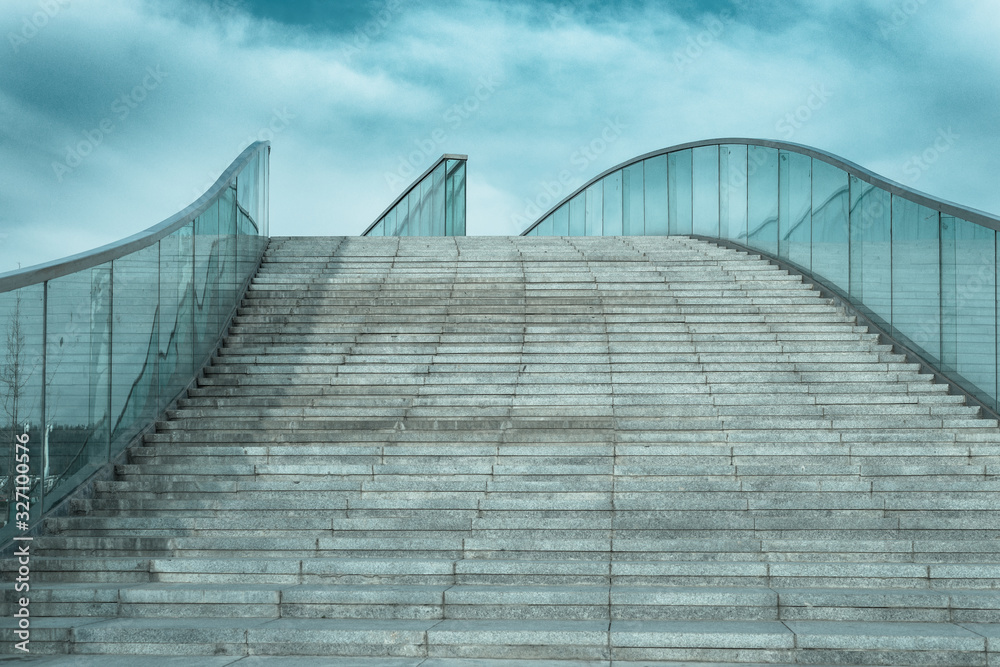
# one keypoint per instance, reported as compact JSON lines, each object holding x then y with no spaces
{"x":511,"y":602}
{"x":873,"y":643}
{"x":591,"y":449}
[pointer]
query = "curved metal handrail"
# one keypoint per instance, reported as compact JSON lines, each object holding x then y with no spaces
{"x":225,"y":228}
{"x":972,"y":215}
{"x":62,"y":267}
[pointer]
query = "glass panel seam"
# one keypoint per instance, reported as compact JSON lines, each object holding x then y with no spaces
{"x":44,"y":415}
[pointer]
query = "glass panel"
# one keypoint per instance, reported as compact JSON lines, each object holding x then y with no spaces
{"x":633,"y":223}
{"x":134,"y":345}
{"x":265,"y":195}
{"x":411,"y":214}
{"x":545,"y":227}
{"x":679,"y":194}
{"x":176,"y":313}
{"x":655,"y":204}
{"x":595,"y":209}
{"x":969,"y":306}
{"x":455,"y":199}
{"x":426,"y":211}
{"x":438,"y":223}
{"x":120,"y":340}
{"x":705,"y":162}
{"x":248,"y":189}
{"x":733,"y":192}
{"x":577,"y":215}
{"x":560,"y":221}
{"x":795,"y":222}
{"x":433,"y":206}
{"x":229,"y":282}
{"x":21,"y":407}
{"x":391,"y":227}
{"x":916,"y":276}
{"x":78,"y":377}
{"x":246,"y":246}
{"x":206,"y":278}
{"x":613,"y":204}
{"x":871,"y":251}
{"x":762,"y":198}
{"x":830,"y":200}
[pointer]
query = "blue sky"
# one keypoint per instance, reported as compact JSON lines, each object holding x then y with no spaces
{"x":166,"y":93}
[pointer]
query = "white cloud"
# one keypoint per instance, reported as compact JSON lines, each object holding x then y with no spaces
{"x":351,"y":114}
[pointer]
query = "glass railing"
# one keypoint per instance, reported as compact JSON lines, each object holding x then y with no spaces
{"x":922,"y":269}
{"x":433,"y":206}
{"x":94,"y":347}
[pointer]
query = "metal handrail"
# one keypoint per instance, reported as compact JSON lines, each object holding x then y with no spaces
{"x":13,"y":280}
{"x":409,"y":189}
{"x":972,"y":215}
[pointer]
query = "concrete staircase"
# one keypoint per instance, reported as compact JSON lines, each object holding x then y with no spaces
{"x":627,"y":448}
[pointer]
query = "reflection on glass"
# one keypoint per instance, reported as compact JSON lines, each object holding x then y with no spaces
{"x":177,"y":362}
{"x":916,"y":276}
{"x":134,"y":381}
{"x":595,"y":209}
{"x":931,"y":282}
{"x":545,"y":228}
{"x":679,"y":192}
{"x":655,"y":202}
{"x":705,"y":203}
{"x":733,"y":192}
{"x":21,"y":389}
{"x":794,"y":209}
{"x":454,"y":198}
{"x":560,"y":221}
{"x":969,"y":306}
{"x":121,"y":340}
{"x":414,"y":207}
{"x":577,"y":215}
{"x":633,"y":223}
{"x":762,"y":198}
{"x":612,"y":217}
{"x":830,"y":240}
{"x":78,"y":373}
{"x":433,"y":206}
{"x":206,"y":276}
{"x":871,"y":251}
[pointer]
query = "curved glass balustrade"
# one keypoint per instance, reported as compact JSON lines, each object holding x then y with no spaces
{"x":94,"y":347}
{"x":433,"y":206}
{"x":923,"y":269}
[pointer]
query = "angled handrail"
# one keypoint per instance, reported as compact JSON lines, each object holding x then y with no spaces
{"x":446,"y":208}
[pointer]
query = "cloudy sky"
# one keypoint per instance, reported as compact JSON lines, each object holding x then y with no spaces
{"x":162,"y":95}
